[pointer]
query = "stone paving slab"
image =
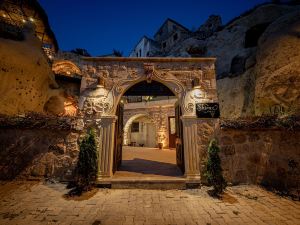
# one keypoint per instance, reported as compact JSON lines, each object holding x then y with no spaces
{"x":143,"y":163}
{"x":44,"y":203}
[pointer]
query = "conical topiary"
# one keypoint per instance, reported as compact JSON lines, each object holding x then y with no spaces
{"x":87,"y":162}
{"x":214,"y":169}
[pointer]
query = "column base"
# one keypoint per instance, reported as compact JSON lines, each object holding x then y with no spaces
{"x":192,"y":176}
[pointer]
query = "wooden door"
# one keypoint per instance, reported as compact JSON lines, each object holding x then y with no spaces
{"x":118,"y":138}
{"x":179,"y":138}
{"x":172,"y":132}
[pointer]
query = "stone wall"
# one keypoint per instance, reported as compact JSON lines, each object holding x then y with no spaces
{"x":270,"y":157}
{"x":44,"y":149}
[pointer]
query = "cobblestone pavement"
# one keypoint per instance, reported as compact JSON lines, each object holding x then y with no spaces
{"x":44,"y":203}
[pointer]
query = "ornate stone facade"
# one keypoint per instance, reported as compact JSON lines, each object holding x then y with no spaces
{"x":105,"y":80}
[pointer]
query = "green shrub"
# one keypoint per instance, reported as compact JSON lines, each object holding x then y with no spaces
{"x":214,"y":169}
{"x":86,"y":169}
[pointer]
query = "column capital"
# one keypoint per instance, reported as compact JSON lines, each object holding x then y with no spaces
{"x":113,"y":118}
{"x":188,"y":117}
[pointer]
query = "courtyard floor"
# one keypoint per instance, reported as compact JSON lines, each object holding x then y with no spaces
{"x":45,"y":203}
{"x":148,"y":163}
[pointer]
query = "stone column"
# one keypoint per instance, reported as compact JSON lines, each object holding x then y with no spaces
{"x":191,"y":154}
{"x":106,"y":147}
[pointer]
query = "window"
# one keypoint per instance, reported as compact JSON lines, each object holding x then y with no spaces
{"x":164,"y":44}
{"x":172,"y":125}
{"x":254,"y":33}
{"x":131,"y":99}
{"x":135,"y":127}
{"x":140,"y":51}
{"x":175,"y":37}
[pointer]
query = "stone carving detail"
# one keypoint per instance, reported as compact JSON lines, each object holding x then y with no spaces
{"x":149,"y":71}
{"x":96,"y":106}
{"x":65,"y":67}
{"x":119,"y":77}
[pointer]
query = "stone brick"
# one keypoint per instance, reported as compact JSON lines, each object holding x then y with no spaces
{"x":240,"y":177}
{"x":226,"y":140}
{"x":58,"y":148}
{"x":253,"y":137}
{"x":239,"y":138}
{"x":228,"y":150}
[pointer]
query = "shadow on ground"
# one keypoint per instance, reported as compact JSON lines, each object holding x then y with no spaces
{"x":145,"y":166}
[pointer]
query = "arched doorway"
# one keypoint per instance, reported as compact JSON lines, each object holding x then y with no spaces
{"x":149,"y":130}
{"x":191,"y":80}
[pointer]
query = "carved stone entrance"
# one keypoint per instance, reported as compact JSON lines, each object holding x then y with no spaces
{"x":105,"y":80}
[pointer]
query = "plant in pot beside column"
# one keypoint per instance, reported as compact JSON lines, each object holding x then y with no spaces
{"x":161,"y":138}
{"x":86,"y":168}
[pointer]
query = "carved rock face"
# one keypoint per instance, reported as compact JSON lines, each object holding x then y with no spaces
{"x":278,"y":68}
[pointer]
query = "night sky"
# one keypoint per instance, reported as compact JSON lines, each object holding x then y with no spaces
{"x":103,"y":25}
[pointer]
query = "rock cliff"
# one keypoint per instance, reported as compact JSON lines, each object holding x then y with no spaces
{"x":257,"y":61}
{"x":27,"y":82}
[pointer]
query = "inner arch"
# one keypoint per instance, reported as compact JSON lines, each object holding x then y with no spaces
{"x":128,"y":125}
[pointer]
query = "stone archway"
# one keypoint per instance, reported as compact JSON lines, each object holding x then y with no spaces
{"x":127,"y":126}
{"x":191,"y":80}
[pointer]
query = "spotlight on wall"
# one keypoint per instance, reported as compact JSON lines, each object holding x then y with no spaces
{"x":4,"y":15}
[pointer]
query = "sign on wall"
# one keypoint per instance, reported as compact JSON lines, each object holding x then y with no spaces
{"x":207,"y":110}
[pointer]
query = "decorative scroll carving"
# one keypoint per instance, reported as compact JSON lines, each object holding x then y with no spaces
{"x":149,"y":72}
{"x":65,"y":67}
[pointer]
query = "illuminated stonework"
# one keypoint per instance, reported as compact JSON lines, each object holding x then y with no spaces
{"x":158,"y":115}
{"x":105,"y":80}
{"x":65,"y":67}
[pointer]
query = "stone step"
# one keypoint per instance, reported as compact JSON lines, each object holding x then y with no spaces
{"x":160,"y":184}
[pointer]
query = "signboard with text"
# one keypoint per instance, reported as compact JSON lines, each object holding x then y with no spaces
{"x":207,"y":110}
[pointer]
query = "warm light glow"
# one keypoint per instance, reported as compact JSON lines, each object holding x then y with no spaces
{"x":31,"y":19}
{"x":4,"y":15}
{"x":70,"y":108}
{"x":162,"y":137}
{"x":197,"y":92}
{"x":23,"y":20}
